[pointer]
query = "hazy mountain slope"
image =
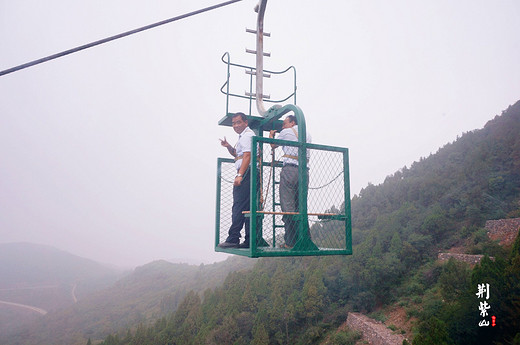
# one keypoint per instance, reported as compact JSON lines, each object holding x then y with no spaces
{"x":27,"y":264}
{"x":151,"y":291}
{"x":46,"y":278}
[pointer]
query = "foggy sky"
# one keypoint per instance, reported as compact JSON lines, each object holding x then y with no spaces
{"x":110,"y":153}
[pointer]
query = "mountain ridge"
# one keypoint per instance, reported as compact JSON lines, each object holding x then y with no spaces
{"x":30,"y":263}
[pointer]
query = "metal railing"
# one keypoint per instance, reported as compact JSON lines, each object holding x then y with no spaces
{"x":251,"y":95}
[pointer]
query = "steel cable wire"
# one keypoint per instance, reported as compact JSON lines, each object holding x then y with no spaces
{"x":112,"y":38}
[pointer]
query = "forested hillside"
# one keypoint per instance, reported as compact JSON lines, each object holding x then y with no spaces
{"x":399,"y":226}
{"x":475,"y":178}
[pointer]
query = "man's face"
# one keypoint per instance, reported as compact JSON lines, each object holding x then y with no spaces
{"x":238,"y":124}
{"x":287,"y":123}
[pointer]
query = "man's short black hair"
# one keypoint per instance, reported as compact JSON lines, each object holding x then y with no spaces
{"x":242,"y":116}
{"x":292,"y":118}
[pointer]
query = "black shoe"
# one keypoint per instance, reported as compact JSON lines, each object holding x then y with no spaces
{"x":228,"y":245}
{"x":244,"y":245}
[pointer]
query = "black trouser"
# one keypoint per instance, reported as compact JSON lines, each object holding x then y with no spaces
{"x":241,"y":200}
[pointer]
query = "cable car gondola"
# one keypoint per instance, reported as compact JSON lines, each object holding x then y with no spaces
{"x":323,"y":214}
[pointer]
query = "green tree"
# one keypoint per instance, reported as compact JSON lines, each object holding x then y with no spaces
{"x":111,"y":340}
{"x":432,"y":332}
{"x":454,"y":280}
{"x":260,"y":335}
{"x":345,"y":338}
{"x":249,"y":299}
{"x":511,"y":304}
{"x":313,"y":294}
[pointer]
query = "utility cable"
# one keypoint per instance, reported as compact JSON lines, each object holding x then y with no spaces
{"x":112,"y":38}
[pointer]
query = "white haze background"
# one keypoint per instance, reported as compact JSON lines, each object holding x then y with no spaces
{"x":110,"y":153}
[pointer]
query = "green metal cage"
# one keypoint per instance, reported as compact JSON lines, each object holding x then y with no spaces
{"x":323,"y":215}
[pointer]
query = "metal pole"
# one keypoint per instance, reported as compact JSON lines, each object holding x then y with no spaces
{"x":260,"y":8}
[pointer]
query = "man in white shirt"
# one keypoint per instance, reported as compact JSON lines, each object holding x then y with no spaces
{"x":241,"y":185}
{"x":289,"y":179}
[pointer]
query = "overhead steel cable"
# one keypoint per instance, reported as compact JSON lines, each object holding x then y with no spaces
{"x":112,"y":38}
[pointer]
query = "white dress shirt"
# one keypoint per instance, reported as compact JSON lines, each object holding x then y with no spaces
{"x":244,"y":144}
{"x":291,"y":134}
